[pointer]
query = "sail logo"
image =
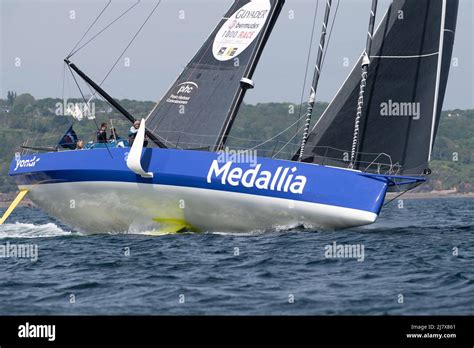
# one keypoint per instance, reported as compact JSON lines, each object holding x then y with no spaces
{"x":251,"y":14}
{"x":26,"y":163}
{"x":398,"y":109}
{"x":183,"y":93}
{"x":187,"y":87}
{"x":283,"y":180}
{"x":240,"y":30}
{"x":232,"y":24}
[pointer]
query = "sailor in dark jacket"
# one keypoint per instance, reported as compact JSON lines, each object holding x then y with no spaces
{"x":102,"y":133}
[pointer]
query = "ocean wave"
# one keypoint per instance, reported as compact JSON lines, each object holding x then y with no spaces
{"x":24,"y":230}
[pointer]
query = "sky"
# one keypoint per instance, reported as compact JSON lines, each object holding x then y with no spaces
{"x":36,"y":35}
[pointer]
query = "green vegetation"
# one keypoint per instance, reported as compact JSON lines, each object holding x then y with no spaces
{"x":25,"y":120}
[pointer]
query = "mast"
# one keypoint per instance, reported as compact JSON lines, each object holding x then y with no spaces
{"x":363,"y":83}
{"x":317,"y":74}
{"x":112,"y":101}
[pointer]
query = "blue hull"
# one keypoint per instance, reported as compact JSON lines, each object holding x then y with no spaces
{"x":205,"y":172}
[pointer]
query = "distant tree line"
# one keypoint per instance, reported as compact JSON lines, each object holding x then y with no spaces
{"x":38,"y":123}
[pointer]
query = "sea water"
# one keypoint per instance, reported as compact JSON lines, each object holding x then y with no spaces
{"x":418,"y":259}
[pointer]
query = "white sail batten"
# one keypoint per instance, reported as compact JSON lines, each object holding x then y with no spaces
{"x":135,"y":154}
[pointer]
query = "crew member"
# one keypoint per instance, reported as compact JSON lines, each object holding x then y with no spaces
{"x":80,"y":145}
{"x":102,"y":133}
{"x":133,"y":132}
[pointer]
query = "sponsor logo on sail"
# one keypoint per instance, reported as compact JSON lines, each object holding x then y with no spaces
{"x":400,"y":109}
{"x":183,"y":93}
{"x":24,"y":163}
{"x":284,"y":179}
{"x":240,"y":30}
{"x":251,"y":14}
{"x":232,"y":24}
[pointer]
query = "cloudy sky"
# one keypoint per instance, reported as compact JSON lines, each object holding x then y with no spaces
{"x":35,"y":36}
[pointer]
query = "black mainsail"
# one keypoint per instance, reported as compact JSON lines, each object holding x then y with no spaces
{"x":200,"y":107}
{"x":406,"y":84}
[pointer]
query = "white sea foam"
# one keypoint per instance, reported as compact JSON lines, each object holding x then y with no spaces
{"x":258,"y":232}
{"x":239,"y":234}
{"x":22,"y":230}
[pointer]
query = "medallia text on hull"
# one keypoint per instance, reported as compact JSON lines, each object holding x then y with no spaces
{"x":284,"y":179}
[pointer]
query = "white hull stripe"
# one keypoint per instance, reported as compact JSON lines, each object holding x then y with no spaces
{"x":103,"y":205}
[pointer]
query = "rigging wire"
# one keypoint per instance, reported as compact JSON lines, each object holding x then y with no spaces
{"x":131,"y":41}
{"x":322,"y":64}
{"x":288,"y":142}
{"x":68,"y":82}
{"x":363,"y":84}
{"x":90,"y":27}
{"x":126,"y":48}
{"x":119,"y":57}
{"x":329,"y":41}
{"x":310,"y":50}
{"x":316,"y":77}
{"x":75,"y":49}
{"x":330,"y":31}
{"x":277,"y":135}
{"x":63,"y":81}
{"x":325,"y":52}
{"x":402,"y":193}
{"x":83,"y":97}
{"x":324,"y":56}
{"x":104,"y":29}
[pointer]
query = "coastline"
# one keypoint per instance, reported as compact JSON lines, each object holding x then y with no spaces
{"x":7,"y":198}
{"x":430,"y":195}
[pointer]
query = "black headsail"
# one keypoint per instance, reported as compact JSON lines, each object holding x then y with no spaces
{"x":198,"y":110}
{"x":406,"y":83}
